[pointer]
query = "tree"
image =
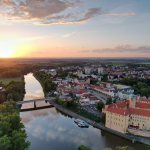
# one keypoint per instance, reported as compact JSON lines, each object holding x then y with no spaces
{"x":93,"y":81}
{"x":114,"y":101}
{"x":10,"y":96}
{"x":71,"y":94}
{"x":100,"y":105}
{"x":103,"y":118}
{"x":5,"y":143}
{"x":12,"y":133}
{"x":109,"y":100}
{"x":18,"y":140}
{"x":121,"y":76}
{"x":16,"y":97}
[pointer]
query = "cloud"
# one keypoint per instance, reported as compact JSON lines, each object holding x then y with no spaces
{"x":120,"y":49}
{"x":35,"y":9}
{"x":84,"y":51}
{"x":123,"y":48}
{"x":88,"y":14}
{"x":124,"y":14}
{"x":69,"y":34}
{"x":39,"y":92}
{"x":47,"y":12}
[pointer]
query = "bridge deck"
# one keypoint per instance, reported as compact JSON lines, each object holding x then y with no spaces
{"x":35,"y":100}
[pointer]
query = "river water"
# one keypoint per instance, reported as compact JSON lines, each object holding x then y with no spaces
{"x":48,"y":129}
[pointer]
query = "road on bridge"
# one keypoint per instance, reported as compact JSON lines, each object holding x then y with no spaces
{"x":35,"y":100}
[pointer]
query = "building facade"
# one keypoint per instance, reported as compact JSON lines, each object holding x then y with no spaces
{"x":100,"y":70}
{"x":128,"y":115}
{"x":87,"y":71}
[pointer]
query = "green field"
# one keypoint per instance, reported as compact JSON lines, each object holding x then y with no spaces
{"x":7,"y":80}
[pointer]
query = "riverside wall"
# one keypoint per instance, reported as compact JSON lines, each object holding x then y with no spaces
{"x":94,"y":124}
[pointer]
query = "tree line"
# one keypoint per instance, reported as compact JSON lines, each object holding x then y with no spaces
{"x":14,"y":91}
{"x":45,"y":81}
{"x":11,"y":74}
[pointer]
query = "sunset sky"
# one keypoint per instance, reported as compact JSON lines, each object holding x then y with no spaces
{"x":74,"y":28}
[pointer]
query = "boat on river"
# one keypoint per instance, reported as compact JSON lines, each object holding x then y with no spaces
{"x":81,"y":123}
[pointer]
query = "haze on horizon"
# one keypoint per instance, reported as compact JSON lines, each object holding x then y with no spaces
{"x":74,"y":28}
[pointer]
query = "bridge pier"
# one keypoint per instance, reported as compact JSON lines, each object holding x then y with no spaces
{"x":34,"y":104}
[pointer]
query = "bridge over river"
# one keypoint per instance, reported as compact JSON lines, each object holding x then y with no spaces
{"x":34,"y":101}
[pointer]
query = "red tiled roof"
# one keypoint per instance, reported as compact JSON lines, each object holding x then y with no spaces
{"x":93,"y":98}
{"x":120,"y":111}
{"x":140,"y":112}
{"x":142,"y":99}
{"x":118,"y":104}
{"x":68,"y":99}
{"x":87,"y":95}
{"x":142,"y":105}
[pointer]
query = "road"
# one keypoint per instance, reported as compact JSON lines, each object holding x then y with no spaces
{"x":91,"y":110}
{"x":98,"y":95}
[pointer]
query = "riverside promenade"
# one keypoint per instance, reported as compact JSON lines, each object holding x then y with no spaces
{"x":133,"y":139}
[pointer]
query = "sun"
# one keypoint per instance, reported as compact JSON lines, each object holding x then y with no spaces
{"x":5,"y":51}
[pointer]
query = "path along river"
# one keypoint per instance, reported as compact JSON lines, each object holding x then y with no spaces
{"x":48,"y":129}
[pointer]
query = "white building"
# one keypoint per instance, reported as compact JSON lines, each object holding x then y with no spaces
{"x":88,"y":71}
{"x":52,"y":72}
{"x":100,"y":70}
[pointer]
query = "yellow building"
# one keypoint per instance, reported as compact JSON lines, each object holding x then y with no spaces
{"x":79,"y":72}
{"x":128,"y":116}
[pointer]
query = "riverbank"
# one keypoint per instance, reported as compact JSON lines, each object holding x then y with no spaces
{"x":133,"y":139}
{"x":45,"y":81}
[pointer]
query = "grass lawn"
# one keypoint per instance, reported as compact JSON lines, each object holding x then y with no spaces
{"x":7,"y":80}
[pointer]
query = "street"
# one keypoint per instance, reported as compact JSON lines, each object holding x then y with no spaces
{"x":98,"y":95}
{"x":91,"y":110}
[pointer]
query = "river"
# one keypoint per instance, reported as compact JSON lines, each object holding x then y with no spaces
{"x":48,"y":129}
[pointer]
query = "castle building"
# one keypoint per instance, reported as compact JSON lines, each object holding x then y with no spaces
{"x":129,"y":116}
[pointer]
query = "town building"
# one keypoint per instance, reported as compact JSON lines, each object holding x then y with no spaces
{"x":100,"y":70}
{"x":82,"y":81}
{"x":53,"y":72}
{"x":129,"y":116}
{"x":87,"y":71}
{"x":79,"y":72}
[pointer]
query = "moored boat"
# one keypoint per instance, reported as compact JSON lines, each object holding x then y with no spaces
{"x":81,"y":123}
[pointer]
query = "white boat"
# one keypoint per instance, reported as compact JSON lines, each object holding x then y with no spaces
{"x":81,"y":123}
{"x":78,"y":121}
